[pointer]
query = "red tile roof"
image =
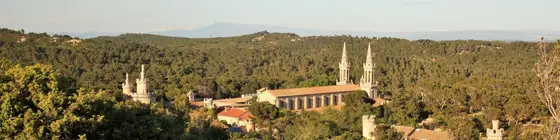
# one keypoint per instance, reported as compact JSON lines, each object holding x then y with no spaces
{"x":246,"y":116}
{"x":233,"y":112}
{"x":378,"y":102}
{"x":217,"y":123}
{"x":313,"y":90}
{"x":422,"y":134}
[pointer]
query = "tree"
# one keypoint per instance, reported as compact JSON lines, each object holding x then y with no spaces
{"x":311,"y":125}
{"x":406,"y":108}
{"x":36,"y":106}
{"x":264,"y":113}
{"x":548,"y":89}
{"x":386,"y":132}
{"x":463,"y":128}
{"x":356,"y":104}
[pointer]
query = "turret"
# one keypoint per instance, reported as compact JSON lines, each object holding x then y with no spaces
{"x":126,"y":87}
{"x":344,"y":69}
{"x":142,"y":93}
{"x":494,"y":133}
{"x":142,"y":83}
{"x":368,"y":126}
{"x":367,"y":82}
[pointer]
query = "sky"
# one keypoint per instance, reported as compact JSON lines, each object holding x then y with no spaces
{"x":367,"y":15}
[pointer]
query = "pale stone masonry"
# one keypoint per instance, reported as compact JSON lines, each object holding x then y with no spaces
{"x":191,"y":96}
{"x":142,"y":93}
{"x":368,"y":126}
{"x":367,"y":81}
{"x":324,"y":96}
{"x":344,"y":69}
{"x":494,"y":133}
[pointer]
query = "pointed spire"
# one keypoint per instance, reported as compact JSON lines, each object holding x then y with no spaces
{"x":369,"y":57}
{"x":344,"y":57}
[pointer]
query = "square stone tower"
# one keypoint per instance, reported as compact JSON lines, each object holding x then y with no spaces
{"x":368,"y":126}
{"x":494,"y":133}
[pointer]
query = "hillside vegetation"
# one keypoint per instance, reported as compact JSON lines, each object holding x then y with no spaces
{"x":423,"y":78}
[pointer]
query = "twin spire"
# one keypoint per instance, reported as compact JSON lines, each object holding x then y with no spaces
{"x":367,"y":81}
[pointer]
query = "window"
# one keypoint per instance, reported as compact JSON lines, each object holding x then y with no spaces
{"x":300,"y":103}
{"x":281,"y":103}
{"x":317,"y":101}
{"x":291,"y":102}
{"x":310,"y":102}
{"x":326,"y":100}
{"x":335,"y":98}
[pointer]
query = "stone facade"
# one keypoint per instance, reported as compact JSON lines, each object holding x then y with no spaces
{"x":126,"y":87}
{"x":307,"y":98}
{"x":368,"y":126}
{"x":142,"y":93}
{"x":309,"y":102}
{"x":191,"y":95}
{"x":209,"y":103}
{"x":344,"y":69}
{"x":315,"y":97}
{"x":367,"y":82}
{"x":494,"y":133}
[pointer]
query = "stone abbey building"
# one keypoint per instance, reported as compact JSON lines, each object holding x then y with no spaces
{"x":142,"y":93}
{"x":323,"y":96}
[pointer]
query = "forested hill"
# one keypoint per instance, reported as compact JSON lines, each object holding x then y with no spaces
{"x":454,"y":76}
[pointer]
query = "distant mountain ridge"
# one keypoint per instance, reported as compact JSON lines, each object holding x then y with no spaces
{"x":233,"y":29}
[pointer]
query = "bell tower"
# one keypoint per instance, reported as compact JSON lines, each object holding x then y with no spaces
{"x":344,"y":69}
{"x":367,"y":82}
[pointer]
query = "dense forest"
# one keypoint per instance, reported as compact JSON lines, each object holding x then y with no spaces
{"x":449,"y":81}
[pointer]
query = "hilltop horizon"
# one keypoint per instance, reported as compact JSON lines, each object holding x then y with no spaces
{"x":228,"y":29}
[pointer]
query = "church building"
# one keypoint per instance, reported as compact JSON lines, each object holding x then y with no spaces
{"x":142,"y":93}
{"x":323,"y":96}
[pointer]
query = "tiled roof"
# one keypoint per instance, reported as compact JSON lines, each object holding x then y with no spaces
{"x":422,"y":134}
{"x":233,"y":112}
{"x":313,"y":90}
{"x":217,"y":123}
{"x":233,"y":100}
{"x":378,"y":102}
{"x":246,"y":116}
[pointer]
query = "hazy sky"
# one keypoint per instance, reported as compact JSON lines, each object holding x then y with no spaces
{"x":370,"y":15}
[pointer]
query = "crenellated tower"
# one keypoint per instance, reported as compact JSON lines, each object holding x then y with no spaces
{"x":142,"y":83}
{"x":494,"y":133}
{"x":344,"y":69}
{"x":367,"y":82}
{"x":126,"y":87}
{"x":142,"y":93}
